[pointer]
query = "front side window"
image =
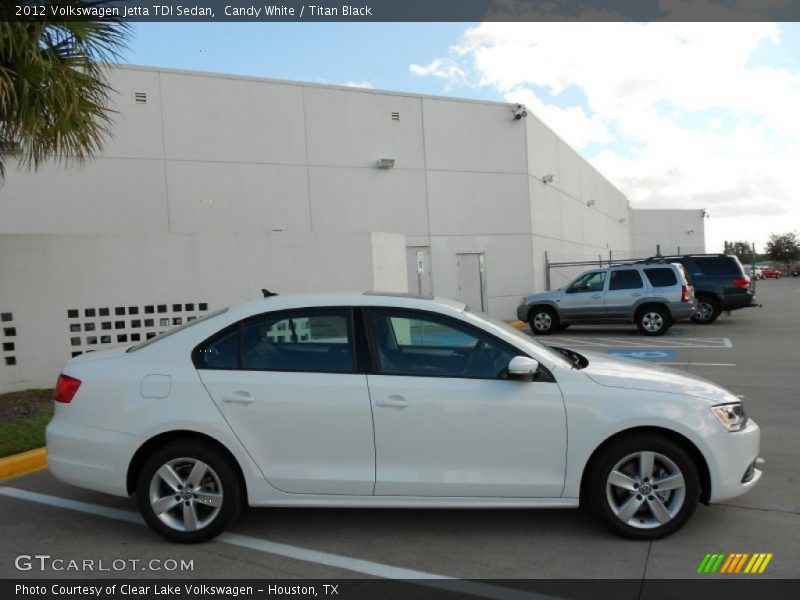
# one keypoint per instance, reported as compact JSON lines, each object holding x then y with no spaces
{"x":626,"y":279}
{"x":589,"y":282}
{"x":422,"y":344}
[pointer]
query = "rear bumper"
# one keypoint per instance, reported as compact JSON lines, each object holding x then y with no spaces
{"x":682,"y":310}
{"x":737,"y":301}
{"x":89,"y":457}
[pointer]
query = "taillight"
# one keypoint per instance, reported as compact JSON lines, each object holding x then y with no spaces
{"x":742,"y":282}
{"x":66,"y":387}
{"x":685,"y":293}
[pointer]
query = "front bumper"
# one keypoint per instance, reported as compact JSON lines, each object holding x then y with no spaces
{"x":522,"y":312}
{"x":732,"y":456}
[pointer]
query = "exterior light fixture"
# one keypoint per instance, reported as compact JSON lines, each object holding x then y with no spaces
{"x":385,"y":163}
{"x":547,"y":178}
{"x":622,"y":220}
{"x":591,"y":203}
{"x":690,"y":232}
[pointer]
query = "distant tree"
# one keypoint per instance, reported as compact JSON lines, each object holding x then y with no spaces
{"x":741,"y":250}
{"x":53,"y":85}
{"x":783,"y":247}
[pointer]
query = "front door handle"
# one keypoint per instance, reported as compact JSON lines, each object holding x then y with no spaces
{"x":393,"y":402}
{"x":239,"y":397}
{"x":596,"y":297}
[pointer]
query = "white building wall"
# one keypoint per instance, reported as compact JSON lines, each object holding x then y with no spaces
{"x":46,"y":275}
{"x":678,"y":231}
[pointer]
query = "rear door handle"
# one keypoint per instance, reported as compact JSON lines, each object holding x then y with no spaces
{"x":239,"y":397}
{"x":393,"y":402}
{"x":636,"y":295}
{"x":596,"y":297}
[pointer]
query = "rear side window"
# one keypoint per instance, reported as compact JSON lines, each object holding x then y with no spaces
{"x":722,"y":265}
{"x":627,"y":279}
{"x":661,"y":277}
{"x":309,"y":340}
{"x":299,"y":341}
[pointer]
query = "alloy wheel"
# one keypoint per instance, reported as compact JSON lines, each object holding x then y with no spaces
{"x":705,"y":311}
{"x":542,"y":321}
{"x":645,"y":490}
{"x":652,"y":322}
{"x":186,"y":494}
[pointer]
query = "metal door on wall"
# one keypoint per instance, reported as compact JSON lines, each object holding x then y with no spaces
{"x":418,"y":263}
{"x":472,"y":279}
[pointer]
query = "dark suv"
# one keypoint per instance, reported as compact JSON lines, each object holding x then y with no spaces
{"x":719,"y":281}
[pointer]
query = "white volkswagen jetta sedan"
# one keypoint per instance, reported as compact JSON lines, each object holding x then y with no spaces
{"x":367,"y":400}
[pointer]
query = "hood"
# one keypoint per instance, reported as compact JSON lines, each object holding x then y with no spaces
{"x":552,"y":295}
{"x":612,"y":371}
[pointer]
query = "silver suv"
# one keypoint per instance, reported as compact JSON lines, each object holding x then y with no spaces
{"x":653,"y":296}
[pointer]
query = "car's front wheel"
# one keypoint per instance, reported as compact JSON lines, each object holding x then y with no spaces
{"x":188,"y":491}
{"x":543,"y":320}
{"x":643,"y":486}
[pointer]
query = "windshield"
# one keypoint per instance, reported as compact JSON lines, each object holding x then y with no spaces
{"x":557,"y":357}
{"x":186,"y":325}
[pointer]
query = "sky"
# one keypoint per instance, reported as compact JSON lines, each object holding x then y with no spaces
{"x":676,"y":115}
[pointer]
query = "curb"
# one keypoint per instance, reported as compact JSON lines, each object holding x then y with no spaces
{"x":23,"y":463}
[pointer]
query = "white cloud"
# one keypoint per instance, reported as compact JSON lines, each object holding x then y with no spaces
{"x":442,"y":68}
{"x":360,"y":84}
{"x":686,"y":116}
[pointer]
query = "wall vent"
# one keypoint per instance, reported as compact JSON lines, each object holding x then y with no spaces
{"x":8,"y":333}
{"x":140,"y":97}
{"x":133,"y":329}
{"x":395,"y":116}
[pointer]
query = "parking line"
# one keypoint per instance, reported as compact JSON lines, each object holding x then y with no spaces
{"x":338,"y":561}
{"x":603,"y":342}
{"x":695,"y":364}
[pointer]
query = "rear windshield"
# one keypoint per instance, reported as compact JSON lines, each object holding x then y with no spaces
{"x":661,"y":277}
{"x":186,"y":325}
{"x":719,"y":265}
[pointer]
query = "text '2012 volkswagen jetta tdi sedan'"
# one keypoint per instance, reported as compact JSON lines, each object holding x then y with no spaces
{"x":368,"y":400}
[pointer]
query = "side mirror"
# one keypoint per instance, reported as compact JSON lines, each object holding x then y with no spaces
{"x":522,"y":368}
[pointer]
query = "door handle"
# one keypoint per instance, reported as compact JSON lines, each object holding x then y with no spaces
{"x":239,"y":397}
{"x":636,"y":295}
{"x":393,"y":402}
{"x":596,"y":297}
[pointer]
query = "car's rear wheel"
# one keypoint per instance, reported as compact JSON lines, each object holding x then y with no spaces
{"x":543,"y":320}
{"x":653,"y":320}
{"x":708,"y":310}
{"x":188,"y":491}
{"x":643,"y":487}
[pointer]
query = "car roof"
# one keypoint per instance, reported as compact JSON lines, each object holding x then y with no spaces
{"x":389,"y":299}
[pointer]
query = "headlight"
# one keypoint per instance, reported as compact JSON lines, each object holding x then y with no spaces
{"x":521,"y":301}
{"x":730,"y":415}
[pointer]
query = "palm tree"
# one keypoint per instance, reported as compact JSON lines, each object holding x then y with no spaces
{"x":53,"y":85}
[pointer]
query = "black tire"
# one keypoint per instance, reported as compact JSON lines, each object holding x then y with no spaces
{"x":221,"y":479}
{"x":543,"y":320}
{"x":707,"y":311}
{"x":653,"y":320}
{"x":608,"y":501}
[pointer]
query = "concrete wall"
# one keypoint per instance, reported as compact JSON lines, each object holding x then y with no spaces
{"x":675,"y":231}
{"x":44,"y":276}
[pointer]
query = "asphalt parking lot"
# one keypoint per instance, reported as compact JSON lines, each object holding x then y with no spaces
{"x":753,"y":352}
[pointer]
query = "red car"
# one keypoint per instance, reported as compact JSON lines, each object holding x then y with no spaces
{"x":767,"y":273}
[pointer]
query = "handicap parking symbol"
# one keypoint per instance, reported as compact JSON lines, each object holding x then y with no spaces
{"x":644,"y":354}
